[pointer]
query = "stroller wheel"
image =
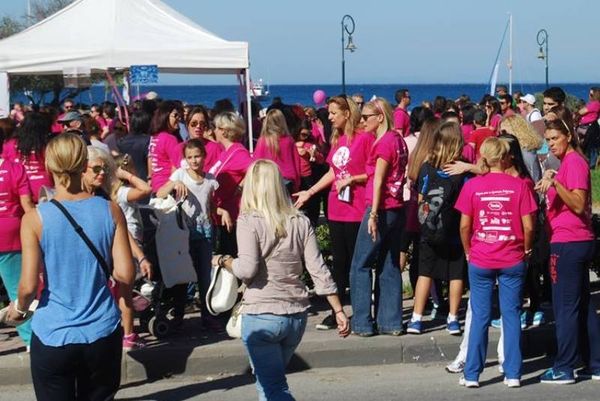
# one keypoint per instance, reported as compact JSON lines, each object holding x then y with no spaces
{"x":158,"y":327}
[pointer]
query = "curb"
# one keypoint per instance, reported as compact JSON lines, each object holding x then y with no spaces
{"x":317,"y":350}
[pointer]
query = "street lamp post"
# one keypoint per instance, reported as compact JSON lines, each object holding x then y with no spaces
{"x":542,"y":39}
{"x":347,"y":29}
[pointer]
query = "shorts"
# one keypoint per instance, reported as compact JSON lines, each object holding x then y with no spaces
{"x":446,"y":262}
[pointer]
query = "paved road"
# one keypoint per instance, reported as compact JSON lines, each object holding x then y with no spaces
{"x":382,"y":382}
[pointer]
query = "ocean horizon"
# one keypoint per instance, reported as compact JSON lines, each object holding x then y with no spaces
{"x":302,"y":93}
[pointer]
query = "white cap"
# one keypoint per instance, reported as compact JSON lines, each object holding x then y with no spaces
{"x":151,"y":95}
{"x":528,"y":98}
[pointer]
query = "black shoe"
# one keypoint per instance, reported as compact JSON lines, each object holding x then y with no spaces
{"x":328,"y":323}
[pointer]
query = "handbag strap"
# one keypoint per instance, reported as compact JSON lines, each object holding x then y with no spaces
{"x":84,"y":237}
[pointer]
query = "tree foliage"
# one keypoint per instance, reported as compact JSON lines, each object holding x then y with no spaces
{"x":36,"y":87}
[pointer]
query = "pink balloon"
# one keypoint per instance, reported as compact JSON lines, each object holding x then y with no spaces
{"x":319,"y":97}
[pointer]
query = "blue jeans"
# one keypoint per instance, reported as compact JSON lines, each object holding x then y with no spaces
{"x":201,"y":254}
{"x":510,"y":285}
{"x":384,"y":254}
{"x":271,"y":341}
{"x":577,"y":323}
{"x":10,"y":271}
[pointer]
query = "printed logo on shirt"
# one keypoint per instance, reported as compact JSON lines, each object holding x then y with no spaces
{"x":495,"y":219}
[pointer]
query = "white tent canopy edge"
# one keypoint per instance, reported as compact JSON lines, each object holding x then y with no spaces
{"x":102,"y":35}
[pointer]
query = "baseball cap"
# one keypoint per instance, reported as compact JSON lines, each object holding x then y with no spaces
{"x":528,"y":98}
{"x":70,"y":116}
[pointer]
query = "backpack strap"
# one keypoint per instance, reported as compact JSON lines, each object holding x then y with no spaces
{"x":84,"y":237}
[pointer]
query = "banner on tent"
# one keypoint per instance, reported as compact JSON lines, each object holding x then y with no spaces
{"x":77,"y":77}
{"x":143,"y":74}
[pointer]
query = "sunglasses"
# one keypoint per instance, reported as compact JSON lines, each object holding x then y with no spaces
{"x":176,"y":115}
{"x":98,"y":169}
{"x":200,"y":124}
{"x":366,"y":116}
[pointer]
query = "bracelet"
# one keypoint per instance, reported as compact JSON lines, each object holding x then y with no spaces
{"x":340,"y":311}
{"x":528,"y":252}
{"x":141,"y":260}
{"x":373,"y":215}
{"x":16,"y":306}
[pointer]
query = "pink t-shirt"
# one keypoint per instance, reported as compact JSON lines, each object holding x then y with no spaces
{"x":391,"y":148}
{"x":496,"y":202}
{"x":230,"y":170}
{"x":467,"y":129}
{"x":566,"y":226}
{"x":13,"y":184}
{"x":402,"y":120}
{"x":164,"y":152}
{"x":468,"y":154}
{"x":347,"y":160}
{"x":593,"y":111}
{"x":288,"y":159}
{"x":35,"y":167}
{"x":495,"y":121}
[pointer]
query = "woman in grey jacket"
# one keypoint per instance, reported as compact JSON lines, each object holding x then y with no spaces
{"x":274,"y":240}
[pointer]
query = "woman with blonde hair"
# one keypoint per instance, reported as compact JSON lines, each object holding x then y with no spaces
{"x":441,"y":256}
{"x":276,"y":144}
{"x":496,"y":230}
{"x":102,"y":178}
{"x":529,"y":140}
{"x":346,"y":179}
{"x":377,"y":241}
{"x":76,"y":343}
{"x":229,"y":171}
{"x":275,"y":241}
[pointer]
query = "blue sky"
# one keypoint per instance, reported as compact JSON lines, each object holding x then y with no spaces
{"x":399,"y":41}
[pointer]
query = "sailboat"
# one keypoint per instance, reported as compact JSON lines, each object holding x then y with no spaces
{"x":494,"y":75}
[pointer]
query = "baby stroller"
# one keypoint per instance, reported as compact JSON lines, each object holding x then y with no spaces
{"x":166,"y":245}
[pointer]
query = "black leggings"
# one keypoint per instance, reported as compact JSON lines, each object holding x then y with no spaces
{"x":77,"y":371}
{"x":343,"y":238}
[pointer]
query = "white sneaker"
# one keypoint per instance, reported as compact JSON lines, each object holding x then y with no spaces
{"x":500,"y":368}
{"x":512,"y":383}
{"x":468,"y":383}
{"x":455,"y":367}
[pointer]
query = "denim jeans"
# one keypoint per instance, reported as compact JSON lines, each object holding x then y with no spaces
{"x":383,"y":254}
{"x":270,"y":341}
{"x":201,"y":254}
{"x":510,"y":284}
{"x":10,"y":272}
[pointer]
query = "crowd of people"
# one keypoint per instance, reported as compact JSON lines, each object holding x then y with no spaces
{"x":466,"y":194}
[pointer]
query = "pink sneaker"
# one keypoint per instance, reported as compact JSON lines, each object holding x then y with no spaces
{"x":133,"y":342}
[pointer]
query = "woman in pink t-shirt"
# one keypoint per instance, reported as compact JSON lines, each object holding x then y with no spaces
{"x":164,"y":151}
{"x":27,"y":148}
{"x":568,"y":202}
{"x":377,"y":241}
{"x":494,"y":114}
{"x":346,"y":181}
{"x":15,"y":200}
{"x":276,"y":144}
{"x":229,"y":170}
{"x":496,"y":230}
{"x":198,"y":127}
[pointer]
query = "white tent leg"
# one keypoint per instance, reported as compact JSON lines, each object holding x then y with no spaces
{"x":249,"y":112}
{"x":4,"y":96}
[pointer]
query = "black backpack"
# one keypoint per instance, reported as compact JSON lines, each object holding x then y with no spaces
{"x":436,"y":214}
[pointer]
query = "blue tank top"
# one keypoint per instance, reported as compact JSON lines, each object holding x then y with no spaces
{"x":76,"y":306}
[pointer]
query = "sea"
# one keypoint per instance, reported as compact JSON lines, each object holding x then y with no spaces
{"x":303,"y":94}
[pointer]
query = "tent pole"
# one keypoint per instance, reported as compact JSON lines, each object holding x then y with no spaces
{"x":249,"y":112}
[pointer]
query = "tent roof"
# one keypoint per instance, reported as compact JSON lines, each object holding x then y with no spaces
{"x":103,"y":34}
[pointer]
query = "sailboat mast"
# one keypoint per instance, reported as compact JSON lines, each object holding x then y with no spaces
{"x":510,"y":53}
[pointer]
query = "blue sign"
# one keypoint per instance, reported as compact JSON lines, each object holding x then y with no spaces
{"x":143,"y":74}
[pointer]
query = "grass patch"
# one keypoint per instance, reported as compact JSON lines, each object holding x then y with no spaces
{"x":596,"y":187}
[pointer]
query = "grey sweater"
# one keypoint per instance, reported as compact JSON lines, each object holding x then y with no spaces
{"x":275,"y":286}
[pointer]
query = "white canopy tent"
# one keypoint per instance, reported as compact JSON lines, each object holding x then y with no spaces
{"x":98,"y":35}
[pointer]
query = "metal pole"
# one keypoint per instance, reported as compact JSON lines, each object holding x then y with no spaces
{"x":547,"y":83}
{"x":510,"y":58}
{"x":249,"y":112}
{"x":343,"y":60}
